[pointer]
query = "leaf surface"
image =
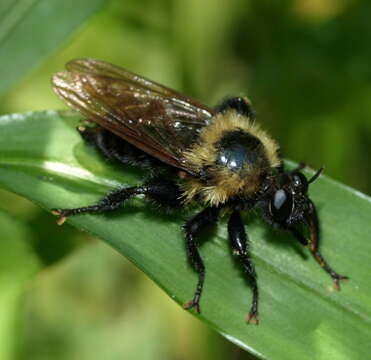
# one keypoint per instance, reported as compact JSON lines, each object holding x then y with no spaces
{"x":31,"y":29}
{"x":301,"y":316}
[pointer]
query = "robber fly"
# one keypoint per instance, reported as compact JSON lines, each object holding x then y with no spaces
{"x":219,"y":158}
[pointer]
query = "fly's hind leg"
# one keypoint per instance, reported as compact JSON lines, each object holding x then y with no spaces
{"x":110,"y":202}
{"x":162,"y":191}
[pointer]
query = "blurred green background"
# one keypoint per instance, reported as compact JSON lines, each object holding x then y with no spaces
{"x":305,"y":64}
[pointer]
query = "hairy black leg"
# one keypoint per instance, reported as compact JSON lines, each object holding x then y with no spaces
{"x":163,"y":191}
{"x":114,"y":147}
{"x":299,"y":236}
{"x":240,"y":104}
{"x":192,"y":227}
{"x":312,"y":220}
{"x":110,"y":202}
{"x":240,"y":248}
{"x":160,"y":190}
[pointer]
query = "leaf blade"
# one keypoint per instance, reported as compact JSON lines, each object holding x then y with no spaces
{"x":300,"y":316}
{"x":24,"y":41}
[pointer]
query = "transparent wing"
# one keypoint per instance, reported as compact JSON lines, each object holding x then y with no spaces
{"x":154,"y":118}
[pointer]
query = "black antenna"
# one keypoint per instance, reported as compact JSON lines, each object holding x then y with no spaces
{"x":316,"y":175}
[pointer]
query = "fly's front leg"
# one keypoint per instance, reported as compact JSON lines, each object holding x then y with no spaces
{"x":240,"y":248}
{"x":193,"y":226}
{"x":312,"y":220}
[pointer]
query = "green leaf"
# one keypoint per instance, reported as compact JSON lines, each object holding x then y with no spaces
{"x":18,"y":263}
{"x":31,"y":29}
{"x":302,"y":317}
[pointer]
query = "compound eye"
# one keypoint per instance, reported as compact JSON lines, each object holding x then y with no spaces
{"x":281,"y":205}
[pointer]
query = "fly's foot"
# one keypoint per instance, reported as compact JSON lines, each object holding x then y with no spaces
{"x":337,"y":278}
{"x":62,"y":217}
{"x":194,"y":303}
{"x":252,"y":317}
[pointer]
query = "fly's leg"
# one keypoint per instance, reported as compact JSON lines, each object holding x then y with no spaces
{"x":240,"y":248}
{"x":192,"y":228}
{"x":313,"y":224}
{"x":163,"y":191}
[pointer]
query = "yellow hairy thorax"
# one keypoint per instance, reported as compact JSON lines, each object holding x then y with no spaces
{"x":223,"y":183}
